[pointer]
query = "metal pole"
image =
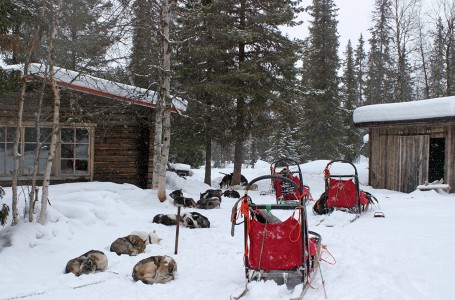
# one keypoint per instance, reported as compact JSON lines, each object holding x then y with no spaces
{"x":177,"y":230}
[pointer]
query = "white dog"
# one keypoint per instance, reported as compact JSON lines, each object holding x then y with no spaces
{"x":148,"y":237}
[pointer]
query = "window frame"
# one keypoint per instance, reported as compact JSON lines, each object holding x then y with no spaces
{"x":56,"y":172}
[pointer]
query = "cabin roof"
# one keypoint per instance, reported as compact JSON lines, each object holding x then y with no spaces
{"x":97,"y":86}
{"x":412,"y":111}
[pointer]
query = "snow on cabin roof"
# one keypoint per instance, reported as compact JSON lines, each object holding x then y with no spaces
{"x":403,"y":111}
{"x":97,"y":86}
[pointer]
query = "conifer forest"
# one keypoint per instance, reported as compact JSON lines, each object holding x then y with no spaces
{"x":252,"y":91}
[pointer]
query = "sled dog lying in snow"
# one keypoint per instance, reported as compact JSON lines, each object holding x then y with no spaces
{"x":89,"y":262}
{"x":190,"y":220}
{"x":195,"y":220}
{"x":231,"y":194}
{"x":168,"y":220}
{"x":179,"y":200}
{"x":155,"y":269}
{"x":130,"y":244}
{"x":208,"y":203}
{"x":211,"y":193}
{"x":148,"y":237}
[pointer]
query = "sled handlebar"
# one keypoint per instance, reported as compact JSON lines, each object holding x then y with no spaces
{"x":295,"y":185}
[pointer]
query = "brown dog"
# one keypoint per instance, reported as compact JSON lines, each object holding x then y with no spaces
{"x":155,"y":269}
{"x":89,"y":262}
{"x":130,"y":244}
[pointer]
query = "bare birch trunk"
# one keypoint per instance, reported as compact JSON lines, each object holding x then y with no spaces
{"x":33,"y":189}
{"x":20,"y":110}
{"x":157,"y":142}
{"x":56,"y":120}
{"x":17,"y":138}
{"x":166,"y":94}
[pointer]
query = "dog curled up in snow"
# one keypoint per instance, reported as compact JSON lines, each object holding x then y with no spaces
{"x":168,"y":220}
{"x":155,"y":269}
{"x":189,"y":220}
{"x":208,"y":203}
{"x":179,"y":200}
{"x":147,"y":237}
{"x":231,"y":194}
{"x":130,"y":244}
{"x":194,"y":220}
{"x":89,"y":262}
{"x":211,"y":193}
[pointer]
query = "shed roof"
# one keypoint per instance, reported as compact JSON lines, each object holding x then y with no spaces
{"x":98,"y":86}
{"x":429,"y":109}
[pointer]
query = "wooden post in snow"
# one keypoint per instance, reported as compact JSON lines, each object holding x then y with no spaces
{"x":177,"y":230}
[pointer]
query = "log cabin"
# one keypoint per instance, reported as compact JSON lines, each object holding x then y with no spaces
{"x":411,"y":144}
{"x":106,"y":132}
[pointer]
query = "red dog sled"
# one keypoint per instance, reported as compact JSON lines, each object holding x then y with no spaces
{"x":342,"y":192}
{"x":284,"y":251}
{"x":284,"y":191}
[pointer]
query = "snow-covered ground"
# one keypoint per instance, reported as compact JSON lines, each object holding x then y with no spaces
{"x":409,"y":254}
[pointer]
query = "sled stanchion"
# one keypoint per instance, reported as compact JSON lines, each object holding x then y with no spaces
{"x":177,"y":231}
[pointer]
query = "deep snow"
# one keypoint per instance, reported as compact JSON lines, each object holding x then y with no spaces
{"x":409,"y":254}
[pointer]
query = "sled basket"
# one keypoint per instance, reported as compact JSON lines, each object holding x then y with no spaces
{"x":284,"y":190}
{"x":284,"y":251}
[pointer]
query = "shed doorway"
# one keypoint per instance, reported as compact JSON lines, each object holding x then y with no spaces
{"x":436,"y":159}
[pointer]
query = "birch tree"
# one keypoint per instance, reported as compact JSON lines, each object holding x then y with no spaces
{"x":163,"y":113}
{"x":56,"y":10}
{"x":20,"y":110}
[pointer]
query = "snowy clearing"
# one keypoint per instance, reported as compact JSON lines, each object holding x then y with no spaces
{"x":406,"y":255}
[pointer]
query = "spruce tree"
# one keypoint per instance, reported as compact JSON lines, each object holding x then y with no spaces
{"x":322,"y":126}
{"x":144,"y":63}
{"x":282,"y":144}
{"x":380,"y":73}
{"x":352,"y":141}
{"x":360,"y":62}
{"x":238,"y":64}
{"x":86,"y":33}
{"x":437,"y":71}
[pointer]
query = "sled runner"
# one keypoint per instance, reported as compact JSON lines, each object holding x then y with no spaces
{"x":283,"y":251}
{"x":342,"y":192}
{"x":285,"y":191}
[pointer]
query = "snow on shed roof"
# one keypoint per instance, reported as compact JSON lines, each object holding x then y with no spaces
{"x":97,"y":86}
{"x":403,"y":111}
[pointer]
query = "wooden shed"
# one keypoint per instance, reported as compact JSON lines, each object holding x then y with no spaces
{"x":410,"y":143}
{"x":106,"y":129}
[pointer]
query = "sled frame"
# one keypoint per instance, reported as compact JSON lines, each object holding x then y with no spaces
{"x":290,"y":277}
{"x":354,"y":176}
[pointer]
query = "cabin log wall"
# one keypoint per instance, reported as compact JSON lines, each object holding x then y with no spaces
{"x":122,"y":131}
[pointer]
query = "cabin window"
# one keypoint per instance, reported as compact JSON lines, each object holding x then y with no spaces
{"x":72,"y":157}
{"x":74,"y":150}
{"x":30,"y":139}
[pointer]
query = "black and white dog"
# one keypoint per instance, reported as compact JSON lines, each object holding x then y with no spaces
{"x":179,"y":200}
{"x":211,"y":193}
{"x":210,"y":199}
{"x":227,"y":180}
{"x":231,"y":194}
{"x":189,"y":220}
